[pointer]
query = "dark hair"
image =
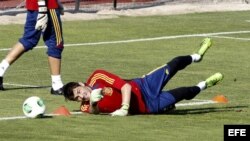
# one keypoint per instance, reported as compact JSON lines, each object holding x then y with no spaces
{"x":68,"y":90}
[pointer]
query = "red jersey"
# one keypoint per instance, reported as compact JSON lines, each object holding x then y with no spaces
{"x":32,"y":4}
{"x":112,"y":99}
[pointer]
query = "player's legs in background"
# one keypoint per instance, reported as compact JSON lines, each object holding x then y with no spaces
{"x":27,"y":42}
{"x":55,"y":70}
{"x":15,"y":53}
{"x":11,"y":57}
{"x":53,"y":38}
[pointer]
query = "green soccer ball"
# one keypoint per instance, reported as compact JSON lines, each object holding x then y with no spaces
{"x":34,"y":107}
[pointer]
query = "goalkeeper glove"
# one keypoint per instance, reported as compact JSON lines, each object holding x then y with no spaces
{"x":96,"y":95}
{"x":123,"y":111}
{"x":42,"y":17}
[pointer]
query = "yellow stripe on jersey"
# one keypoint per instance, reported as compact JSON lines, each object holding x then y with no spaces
{"x":102,"y":77}
{"x":57,"y":27}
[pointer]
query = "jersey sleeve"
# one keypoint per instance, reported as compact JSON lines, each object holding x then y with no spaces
{"x":32,"y":4}
{"x":106,"y":78}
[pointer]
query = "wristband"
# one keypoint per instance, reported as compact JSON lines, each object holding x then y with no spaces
{"x":42,"y":7}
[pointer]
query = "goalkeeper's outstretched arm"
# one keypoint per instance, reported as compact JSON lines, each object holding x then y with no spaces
{"x":126,"y":96}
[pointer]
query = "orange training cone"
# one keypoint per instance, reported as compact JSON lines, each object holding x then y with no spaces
{"x":62,"y":111}
{"x":220,"y":99}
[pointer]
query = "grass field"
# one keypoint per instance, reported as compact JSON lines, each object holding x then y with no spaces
{"x":131,"y":47}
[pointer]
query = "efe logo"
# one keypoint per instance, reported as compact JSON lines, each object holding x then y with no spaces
{"x":236,"y":132}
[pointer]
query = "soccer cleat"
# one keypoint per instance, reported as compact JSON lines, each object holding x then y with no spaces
{"x":214,"y":79}
{"x":1,"y":84}
{"x":56,"y":92}
{"x":205,"y":45}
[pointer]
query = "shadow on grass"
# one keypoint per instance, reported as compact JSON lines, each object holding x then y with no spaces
{"x":195,"y":110}
{"x":45,"y":117}
{"x":19,"y":88}
{"x":205,"y":110}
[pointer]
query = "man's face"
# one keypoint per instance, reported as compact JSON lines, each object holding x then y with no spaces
{"x":82,"y":93}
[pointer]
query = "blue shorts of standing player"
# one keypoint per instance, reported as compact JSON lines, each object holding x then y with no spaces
{"x":52,"y":36}
{"x":43,"y":19}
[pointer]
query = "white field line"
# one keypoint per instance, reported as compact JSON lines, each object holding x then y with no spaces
{"x":234,"y":38}
{"x":12,"y":84}
{"x":197,"y":102}
{"x":147,"y":39}
{"x":24,"y":117}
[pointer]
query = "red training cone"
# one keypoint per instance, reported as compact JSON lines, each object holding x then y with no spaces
{"x":220,"y":99}
{"x":62,"y":111}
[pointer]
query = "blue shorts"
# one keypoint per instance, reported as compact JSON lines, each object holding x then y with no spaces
{"x":151,"y":86}
{"x":52,"y":36}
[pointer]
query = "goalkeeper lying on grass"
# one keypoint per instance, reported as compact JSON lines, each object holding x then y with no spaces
{"x":105,"y":92}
